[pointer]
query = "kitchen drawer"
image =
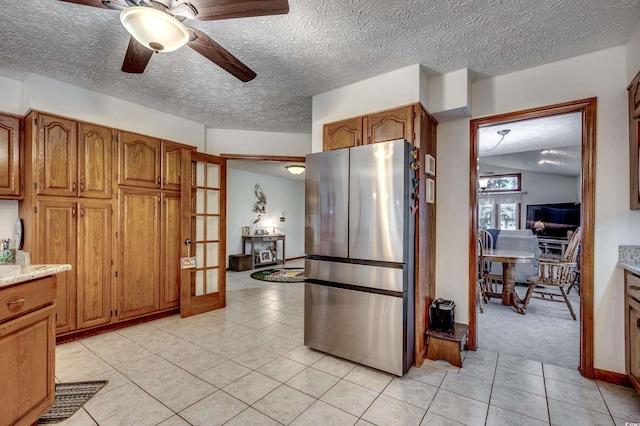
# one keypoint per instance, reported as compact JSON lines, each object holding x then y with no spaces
{"x":23,"y":298}
{"x":633,"y":286}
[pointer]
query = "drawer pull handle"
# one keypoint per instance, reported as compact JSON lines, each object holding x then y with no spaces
{"x":634,"y":287}
{"x":638,"y":322}
{"x":17,"y":302}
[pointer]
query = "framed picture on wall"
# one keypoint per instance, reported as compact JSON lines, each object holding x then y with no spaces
{"x":246,"y":231}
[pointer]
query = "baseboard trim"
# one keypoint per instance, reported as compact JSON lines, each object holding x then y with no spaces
{"x":294,"y":258}
{"x":611,"y":377}
{"x":81,"y":334}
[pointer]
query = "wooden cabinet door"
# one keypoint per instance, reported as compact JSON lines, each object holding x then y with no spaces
{"x":139,"y":161}
{"x":95,"y":155}
{"x":171,"y":163}
{"x":9,"y":157}
{"x":633,"y":342}
{"x":634,"y":141}
{"x":56,"y":243}
{"x":342,"y":134}
{"x":57,"y":160}
{"x":27,"y":351}
{"x":390,"y":125}
{"x":171,"y":244}
{"x":138,"y":281}
{"x":94,"y":263}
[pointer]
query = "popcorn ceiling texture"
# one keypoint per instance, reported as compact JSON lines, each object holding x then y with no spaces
{"x":319,"y":46}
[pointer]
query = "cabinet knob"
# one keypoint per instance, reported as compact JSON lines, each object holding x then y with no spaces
{"x":158,"y":180}
{"x":81,"y":186}
{"x":638,"y":322}
{"x":73,"y":187}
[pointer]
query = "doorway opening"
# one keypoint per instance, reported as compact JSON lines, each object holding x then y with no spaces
{"x":279,"y":216}
{"x":586,"y":110}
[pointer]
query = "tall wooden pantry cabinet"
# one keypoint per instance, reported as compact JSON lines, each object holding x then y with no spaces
{"x":108,"y":203}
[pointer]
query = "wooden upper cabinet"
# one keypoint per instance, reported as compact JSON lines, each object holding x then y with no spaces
{"x":57,"y":160}
{"x":171,"y":164}
{"x":342,"y":134}
{"x":634,"y":142}
{"x":95,"y":156}
{"x":634,"y":97}
{"x":10,"y":176}
{"x":139,"y":161}
{"x":389,"y":125}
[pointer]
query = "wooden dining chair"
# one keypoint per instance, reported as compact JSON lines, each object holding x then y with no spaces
{"x":480,"y":291}
{"x":555,"y":276}
{"x":490,"y":281}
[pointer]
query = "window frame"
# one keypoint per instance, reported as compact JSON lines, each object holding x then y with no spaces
{"x":489,"y":178}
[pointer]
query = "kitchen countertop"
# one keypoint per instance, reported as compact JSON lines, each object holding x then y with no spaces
{"x":13,"y":274}
{"x":631,"y":267}
{"x":629,"y":258}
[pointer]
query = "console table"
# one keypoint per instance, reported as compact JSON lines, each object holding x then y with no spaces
{"x":262,"y":240}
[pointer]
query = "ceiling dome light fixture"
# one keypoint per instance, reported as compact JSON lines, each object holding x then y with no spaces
{"x":154,"y":29}
{"x":295,"y":169}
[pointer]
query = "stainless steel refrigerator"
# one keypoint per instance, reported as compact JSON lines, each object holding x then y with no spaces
{"x":359,"y":245}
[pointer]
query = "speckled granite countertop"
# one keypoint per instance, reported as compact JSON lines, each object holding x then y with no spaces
{"x":13,"y":274}
{"x":629,"y":258}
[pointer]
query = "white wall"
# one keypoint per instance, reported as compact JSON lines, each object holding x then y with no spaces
{"x":246,"y":142}
{"x":601,"y":74}
{"x":283,"y":196}
{"x":397,"y":88}
{"x":633,"y":54}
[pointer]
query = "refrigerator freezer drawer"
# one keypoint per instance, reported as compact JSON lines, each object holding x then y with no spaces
{"x":378,"y":277}
{"x":366,"y":328}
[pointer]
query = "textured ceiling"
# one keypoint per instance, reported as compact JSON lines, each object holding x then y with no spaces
{"x":546,"y":145}
{"x":320,"y":45}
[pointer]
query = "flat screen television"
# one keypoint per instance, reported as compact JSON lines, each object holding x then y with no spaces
{"x":557,"y":218}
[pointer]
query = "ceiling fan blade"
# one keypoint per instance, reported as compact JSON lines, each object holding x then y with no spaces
{"x":211,"y":10}
{"x":137,"y":57}
{"x":204,"y":45}
{"x":106,"y":4}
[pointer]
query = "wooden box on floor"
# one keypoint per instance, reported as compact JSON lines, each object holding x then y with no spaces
{"x":239,"y":262}
{"x":446,"y":344}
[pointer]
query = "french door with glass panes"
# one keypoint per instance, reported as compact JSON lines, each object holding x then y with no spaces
{"x":203,"y":288}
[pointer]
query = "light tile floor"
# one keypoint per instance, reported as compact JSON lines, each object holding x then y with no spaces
{"x":246,"y":365}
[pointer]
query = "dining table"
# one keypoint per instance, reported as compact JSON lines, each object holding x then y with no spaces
{"x":509,"y":259}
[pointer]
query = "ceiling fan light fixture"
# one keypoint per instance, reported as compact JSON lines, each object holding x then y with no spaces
{"x":154,"y":29}
{"x":295,"y":169}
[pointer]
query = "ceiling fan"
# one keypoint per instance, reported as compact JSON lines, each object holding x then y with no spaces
{"x":156,"y":26}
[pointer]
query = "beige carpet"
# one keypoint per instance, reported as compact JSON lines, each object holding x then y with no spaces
{"x":547,"y":333}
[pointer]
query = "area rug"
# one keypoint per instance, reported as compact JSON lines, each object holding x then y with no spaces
{"x":70,"y":397}
{"x":283,"y":275}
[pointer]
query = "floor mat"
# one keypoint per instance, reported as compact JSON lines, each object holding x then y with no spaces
{"x":70,"y":397}
{"x":284,"y":275}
